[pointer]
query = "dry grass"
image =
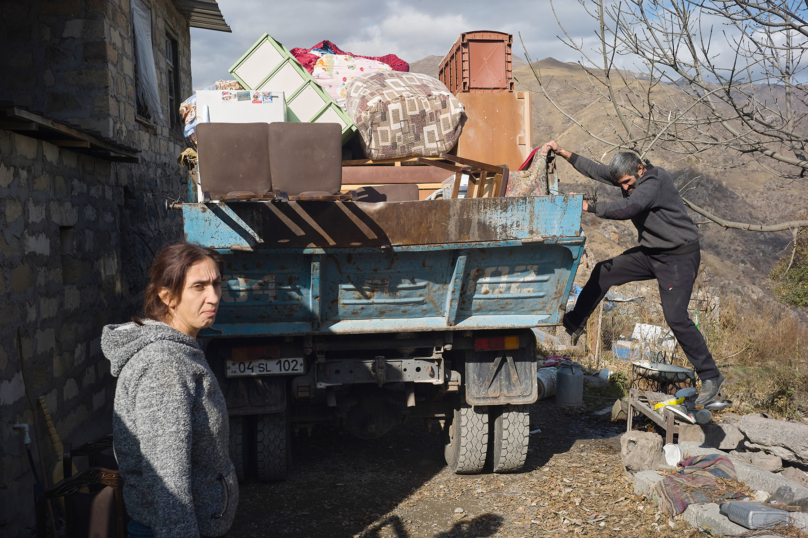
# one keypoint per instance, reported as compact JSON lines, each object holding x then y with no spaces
{"x":761,"y":350}
{"x":764,"y":355}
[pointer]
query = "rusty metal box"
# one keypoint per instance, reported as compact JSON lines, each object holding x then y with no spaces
{"x":478,"y":62}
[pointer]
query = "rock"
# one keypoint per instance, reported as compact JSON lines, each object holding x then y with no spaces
{"x":709,"y":515}
{"x":641,"y":451}
{"x":723,"y":436}
{"x":644,"y":480}
{"x":761,"y":496}
{"x":788,"y":440}
{"x":620,"y":410}
{"x":765,"y":461}
{"x":595,"y":381}
{"x":459,"y":510}
{"x":795,"y":475}
{"x":799,"y":520}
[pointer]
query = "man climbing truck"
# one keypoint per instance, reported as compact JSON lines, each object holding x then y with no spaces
{"x":669,"y":252}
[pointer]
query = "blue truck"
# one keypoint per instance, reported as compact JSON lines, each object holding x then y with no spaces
{"x":371,"y":314}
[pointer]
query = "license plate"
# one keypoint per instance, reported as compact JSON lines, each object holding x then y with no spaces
{"x":265,"y":367}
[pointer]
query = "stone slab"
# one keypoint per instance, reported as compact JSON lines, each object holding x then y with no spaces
{"x":723,"y":436}
{"x":786,"y":439}
{"x":644,"y":480}
{"x":709,"y":516}
{"x":798,"y":476}
{"x":767,"y":462}
{"x":641,"y":451}
{"x":620,"y":410}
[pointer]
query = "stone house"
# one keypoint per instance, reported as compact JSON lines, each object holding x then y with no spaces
{"x":89,"y":139}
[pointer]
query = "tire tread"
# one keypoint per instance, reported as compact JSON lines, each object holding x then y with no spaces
{"x":511,"y":437}
{"x":270,"y":447}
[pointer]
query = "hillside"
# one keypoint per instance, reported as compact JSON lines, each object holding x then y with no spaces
{"x":731,"y":186}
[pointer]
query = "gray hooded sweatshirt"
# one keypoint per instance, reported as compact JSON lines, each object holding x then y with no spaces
{"x":171,"y":432}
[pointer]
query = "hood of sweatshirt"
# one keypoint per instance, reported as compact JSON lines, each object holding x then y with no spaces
{"x":120,"y":343}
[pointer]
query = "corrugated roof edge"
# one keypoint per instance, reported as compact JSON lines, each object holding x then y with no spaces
{"x":203,"y":14}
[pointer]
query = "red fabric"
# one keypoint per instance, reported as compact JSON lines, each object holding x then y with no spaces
{"x":308,"y":60}
{"x":526,"y":164}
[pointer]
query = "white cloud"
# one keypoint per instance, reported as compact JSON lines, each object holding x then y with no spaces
{"x":411,"y":29}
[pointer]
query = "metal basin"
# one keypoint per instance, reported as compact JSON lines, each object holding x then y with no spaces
{"x":665,"y":373}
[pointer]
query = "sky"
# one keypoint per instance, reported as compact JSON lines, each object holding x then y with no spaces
{"x":410,"y":29}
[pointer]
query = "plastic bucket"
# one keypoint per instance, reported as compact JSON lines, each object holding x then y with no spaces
{"x":673,"y":454}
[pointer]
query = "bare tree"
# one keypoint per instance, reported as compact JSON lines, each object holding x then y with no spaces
{"x":684,"y":96}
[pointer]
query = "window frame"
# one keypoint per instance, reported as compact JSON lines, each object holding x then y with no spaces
{"x":173,"y":80}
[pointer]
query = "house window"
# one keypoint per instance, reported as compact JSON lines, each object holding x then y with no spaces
{"x":146,"y":91}
{"x":172,"y":64}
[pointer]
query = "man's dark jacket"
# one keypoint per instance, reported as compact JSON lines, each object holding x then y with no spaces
{"x":655,"y":207}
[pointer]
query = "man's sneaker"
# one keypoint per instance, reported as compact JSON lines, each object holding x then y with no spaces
{"x":709,"y":390}
{"x":574,"y":333}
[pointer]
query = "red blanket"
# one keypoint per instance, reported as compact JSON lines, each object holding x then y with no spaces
{"x":308,"y":60}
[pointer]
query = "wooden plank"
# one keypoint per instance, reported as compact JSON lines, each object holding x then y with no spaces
{"x":24,"y":115}
{"x":368,"y":162}
{"x":481,"y":185}
{"x":386,"y":175}
{"x":494,"y":169}
{"x":472,"y":186}
{"x":71,"y":143}
{"x":456,"y":185}
{"x":493,"y":123}
{"x":19,"y":125}
{"x":438,"y":164}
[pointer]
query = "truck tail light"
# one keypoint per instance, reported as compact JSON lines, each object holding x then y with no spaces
{"x":243,"y":354}
{"x":496,"y":344}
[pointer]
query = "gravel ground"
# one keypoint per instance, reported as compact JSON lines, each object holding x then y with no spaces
{"x":400,"y":487}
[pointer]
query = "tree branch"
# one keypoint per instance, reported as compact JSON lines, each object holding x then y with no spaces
{"x":746,"y":226}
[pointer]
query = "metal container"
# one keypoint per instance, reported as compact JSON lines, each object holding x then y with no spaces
{"x":569,"y":385}
{"x":546,"y":378}
{"x":479,"y":62}
{"x":754,"y":515}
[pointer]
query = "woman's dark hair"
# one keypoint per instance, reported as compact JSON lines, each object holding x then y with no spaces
{"x":169,"y":270}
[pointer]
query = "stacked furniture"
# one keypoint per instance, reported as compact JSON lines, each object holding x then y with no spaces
{"x":268,"y":66}
{"x":478,"y":69}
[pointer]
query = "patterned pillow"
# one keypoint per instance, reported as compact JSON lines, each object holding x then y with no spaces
{"x":403,"y":114}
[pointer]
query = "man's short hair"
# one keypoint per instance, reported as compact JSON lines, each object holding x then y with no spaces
{"x":624,"y":164}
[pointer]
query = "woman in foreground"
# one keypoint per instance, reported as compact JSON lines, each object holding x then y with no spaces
{"x":170,"y":422}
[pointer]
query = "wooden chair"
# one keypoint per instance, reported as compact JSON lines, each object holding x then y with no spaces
{"x":485,"y":180}
{"x":93,"y":498}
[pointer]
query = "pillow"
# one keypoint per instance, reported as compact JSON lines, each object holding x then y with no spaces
{"x":334,"y":72}
{"x":403,"y":114}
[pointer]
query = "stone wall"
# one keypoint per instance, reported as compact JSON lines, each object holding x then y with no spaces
{"x":77,"y":233}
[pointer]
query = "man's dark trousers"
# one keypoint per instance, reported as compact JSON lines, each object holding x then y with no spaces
{"x":675,"y":275}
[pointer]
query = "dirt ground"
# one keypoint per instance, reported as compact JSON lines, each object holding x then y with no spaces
{"x":399,"y":487}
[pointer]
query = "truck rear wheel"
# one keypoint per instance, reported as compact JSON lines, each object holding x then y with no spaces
{"x":271,"y":436}
{"x":467,"y":439}
{"x":237,"y":445}
{"x":511,"y":433}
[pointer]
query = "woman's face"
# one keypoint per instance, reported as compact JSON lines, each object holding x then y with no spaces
{"x":196,"y":307}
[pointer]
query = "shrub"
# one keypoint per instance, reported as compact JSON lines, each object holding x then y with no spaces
{"x":791,"y":283}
